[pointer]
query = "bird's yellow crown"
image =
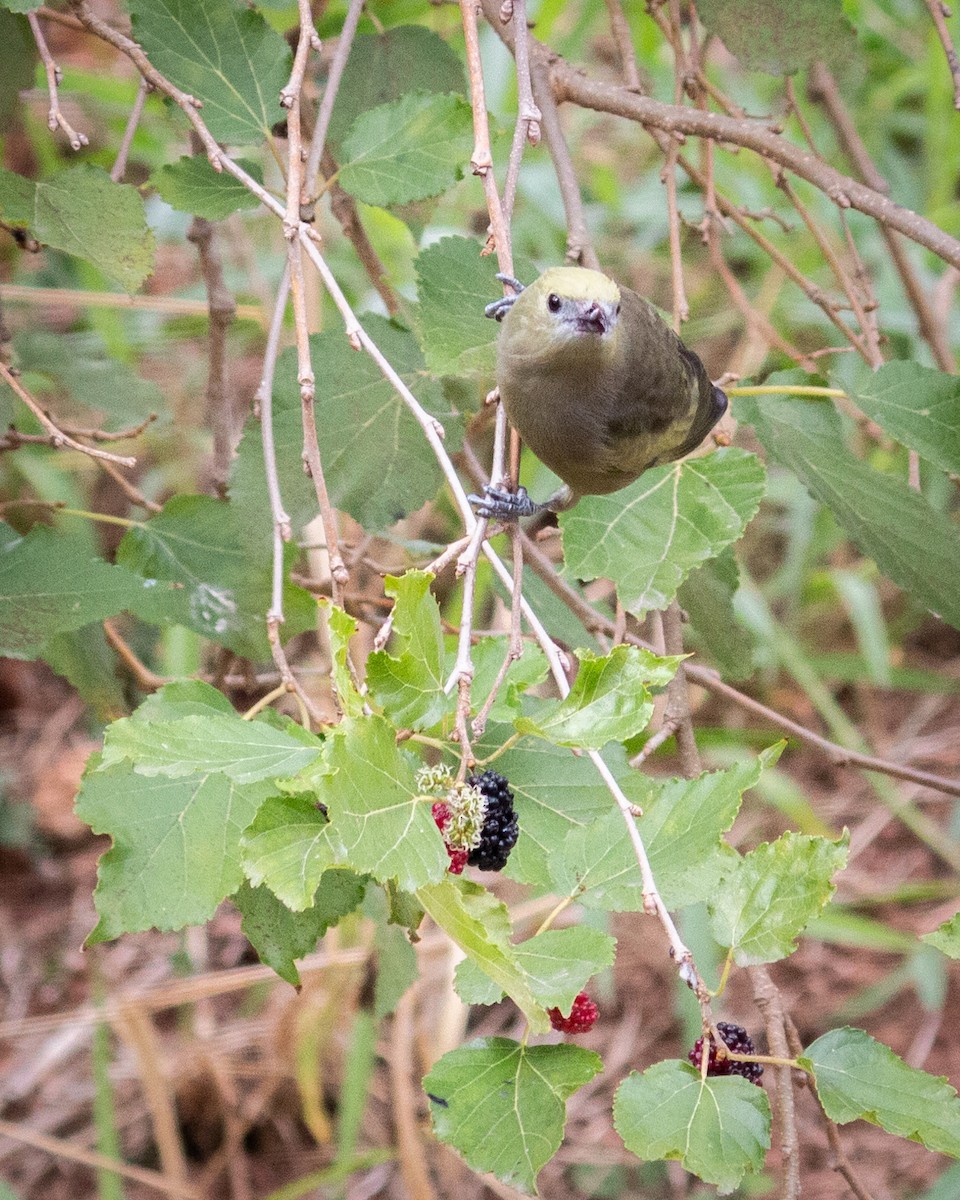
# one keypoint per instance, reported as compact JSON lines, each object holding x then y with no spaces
{"x":579,"y":283}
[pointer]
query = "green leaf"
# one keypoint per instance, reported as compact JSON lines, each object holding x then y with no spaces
{"x":84,"y":658}
{"x":718,"y":1128}
{"x":858,"y":1077}
{"x":222,"y":52}
{"x":184,"y":698}
{"x":773,"y":893}
{"x":609,"y":700}
{"x":191,"y":185}
{"x":409,"y":685}
{"x":66,"y":211}
{"x":396,"y":959}
{"x":176,"y":845}
{"x":407,"y":149}
{"x":81,"y":365}
{"x":559,"y":962}
{"x":340,"y":629}
{"x":480,"y":925}
{"x":377,"y":464}
{"x":223,"y":581}
{"x":245,"y":751}
{"x":918,"y":406}
{"x":454,"y":284}
{"x":50,"y":584}
{"x":523,"y":673}
{"x":781,"y":37}
{"x":386,"y":66}
{"x":707,"y":598}
{"x":918,"y":547}
{"x":554,"y":791}
{"x":502,"y":1105}
{"x":682,"y":826}
{"x":280,"y":936}
{"x":648,"y":537}
{"x":287,"y":849}
{"x":378,"y":821}
{"x":18,"y":55}
{"x":946,"y":937}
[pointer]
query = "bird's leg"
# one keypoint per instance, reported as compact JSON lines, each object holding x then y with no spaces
{"x":499,"y":308}
{"x":499,"y":504}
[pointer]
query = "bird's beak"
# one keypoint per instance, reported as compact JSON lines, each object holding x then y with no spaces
{"x":593,"y":319}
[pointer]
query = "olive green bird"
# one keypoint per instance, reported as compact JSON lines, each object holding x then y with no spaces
{"x":597,"y":386}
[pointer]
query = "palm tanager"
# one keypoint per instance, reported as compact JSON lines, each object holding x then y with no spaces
{"x":596,"y":384}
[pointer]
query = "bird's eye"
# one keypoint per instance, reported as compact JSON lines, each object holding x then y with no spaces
{"x":553,"y":302}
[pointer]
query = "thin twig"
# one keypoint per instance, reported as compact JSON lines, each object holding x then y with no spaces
{"x":55,"y":118}
{"x":147,"y":680}
{"x":174,"y":305}
{"x":677,"y":712}
{"x":939,"y":13}
{"x":767,"y":996}
{"x":222,"y":307}
{"x":318,"y":140}
{"x":620,"y":31}
{"x":344,"y":208}
{"x":263,"y":404}
{"x":58,"y":438}
{"x":822,"y":88}
{"x":119,"y":168}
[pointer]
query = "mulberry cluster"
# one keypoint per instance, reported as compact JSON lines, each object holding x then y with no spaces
{"x":738,"y":1041}
{"x":500,"y":828}
{"x":582,"y":1016}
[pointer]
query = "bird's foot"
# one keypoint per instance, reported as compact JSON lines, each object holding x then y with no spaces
{"x":501,"y":505}
{"x":499,"y":308}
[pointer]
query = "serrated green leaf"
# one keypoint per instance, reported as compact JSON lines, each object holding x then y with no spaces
{"x":648,"y":537}
{"x":280,"y":936}
{"x":858,"y":1077}
{"x":50,"y":584}
{"x":454,"y":284}
{"x":184,"y":698}
{"x":396,"y":959}
{"x":682,"y":825}
{"x":554,"y":792}
{"x":707,"y":598}
{"x":66,"y":210}
{"x":609,"y":700}
{"x":409,"y":685}
{"x":340,"y":629}
{"x":559,"y":962}
{"x":176,"y":845}
{"x":772,"y":893}
{"x":502,"y":1105}
{"x":918,"y":406}
{"x":20,"y":6}
{"x":781,"y":36}
{"x":245,"y":751}
{"x":191,"y":185}
{"x":379,"y":823}
{"x":918,"y":547}
{"x":480,"y":925}
{"x":718,"y":1128}
{"x":386,"y":66}
{"x":407,"y":149}
{"x":223,"y":582}
{"x":80,"y":365}
{"x":377,"y":464}
{"x":946,"y":937}
{"x":222,"y":52}
{"x":287,"y":849}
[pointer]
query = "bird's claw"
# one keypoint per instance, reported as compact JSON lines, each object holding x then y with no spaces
{"x":499,"y":308}
{"x":501,"y":505}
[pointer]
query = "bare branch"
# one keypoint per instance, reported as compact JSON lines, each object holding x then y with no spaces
{"x":58,"y":438}
{"x":939,"y":13}
{"x":119,"y":168}
{"x":55,"y":119}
